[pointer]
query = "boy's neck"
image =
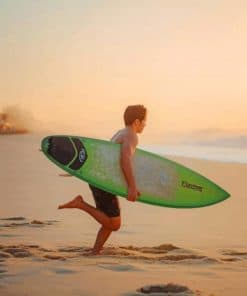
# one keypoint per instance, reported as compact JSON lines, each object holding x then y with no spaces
{"x":131,"y":128}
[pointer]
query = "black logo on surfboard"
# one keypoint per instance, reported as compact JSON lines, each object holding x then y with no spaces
{"x":82,"y":155}
{"x":188,"y":185}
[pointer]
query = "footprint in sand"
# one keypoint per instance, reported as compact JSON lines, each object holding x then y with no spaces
{"x":14,"y":219}
{"x":63,"y":271}
{"x":119,"y":267}
{"x":3,"y":271}
{"x":18,"y":252}
{"x":10,"y":235}
{"x":55,"y":257}
{"x":4,"y":255}
{"x":3,"y":274}
{"x":233,"y":255}
{"x":164,"y":289}
{"x":14,"y":222}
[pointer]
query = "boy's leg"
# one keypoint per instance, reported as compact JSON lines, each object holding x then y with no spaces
{"x":101,"y":238}
{"x":104,"y":234}
{"x":112,"y":224}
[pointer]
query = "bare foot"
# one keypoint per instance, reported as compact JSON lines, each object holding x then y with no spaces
{"x":95,"y":253}
{"x":73,"y":204}
{"x":91,"y":252}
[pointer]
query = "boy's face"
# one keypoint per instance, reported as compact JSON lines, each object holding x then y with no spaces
{"x":140,"y":125}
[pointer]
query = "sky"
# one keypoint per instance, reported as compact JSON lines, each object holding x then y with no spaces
{"x":75,"y":65}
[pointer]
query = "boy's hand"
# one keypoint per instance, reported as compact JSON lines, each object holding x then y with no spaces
{"x":133,"y":194}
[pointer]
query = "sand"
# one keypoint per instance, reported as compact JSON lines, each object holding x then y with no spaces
{"x":157,"y":251}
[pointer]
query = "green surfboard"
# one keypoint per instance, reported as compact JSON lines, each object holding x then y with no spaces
{"x":161,"y":182}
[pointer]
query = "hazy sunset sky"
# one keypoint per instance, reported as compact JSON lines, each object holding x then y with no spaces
{"x":78,"y":63}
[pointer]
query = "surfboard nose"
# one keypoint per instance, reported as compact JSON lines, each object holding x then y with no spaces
{"x":45,"y":144}
{"x":59,"y":148}
{"x":66,"y":151}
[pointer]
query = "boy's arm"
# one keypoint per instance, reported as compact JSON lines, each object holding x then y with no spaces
{"x":126,"y":154}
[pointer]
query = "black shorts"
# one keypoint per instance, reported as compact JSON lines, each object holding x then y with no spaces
{"x":106,"y":202}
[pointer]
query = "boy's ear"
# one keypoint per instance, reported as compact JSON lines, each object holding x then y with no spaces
{"x":136,"y":121}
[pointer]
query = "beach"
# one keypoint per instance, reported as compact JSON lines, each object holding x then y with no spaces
{"x":157,"y":251}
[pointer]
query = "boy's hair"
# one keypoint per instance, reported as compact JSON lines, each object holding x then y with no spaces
{"x":134,"y":112}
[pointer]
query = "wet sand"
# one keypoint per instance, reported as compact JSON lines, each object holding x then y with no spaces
{"x":157,"y":251}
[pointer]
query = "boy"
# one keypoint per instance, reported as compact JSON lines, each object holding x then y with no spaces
{"x":107,"y":211}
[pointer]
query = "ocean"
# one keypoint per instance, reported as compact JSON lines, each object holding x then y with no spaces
{"x":216,"y":153}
